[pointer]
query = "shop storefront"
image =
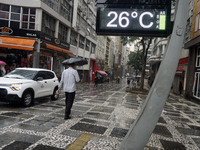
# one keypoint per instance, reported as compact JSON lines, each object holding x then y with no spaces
{"x":179,"y":83}
{"x":28,"y":48}
{"x":17,"y":51}
{"x":193,"y":70}
{"x":55,"y":52}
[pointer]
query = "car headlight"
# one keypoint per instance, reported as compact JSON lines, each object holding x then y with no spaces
{"x":16,"y":87}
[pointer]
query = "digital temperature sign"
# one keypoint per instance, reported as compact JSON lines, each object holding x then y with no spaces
{"x":133,"y":20}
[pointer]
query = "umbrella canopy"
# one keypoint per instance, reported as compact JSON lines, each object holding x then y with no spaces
{"x":102,"y":72}
{"x":76,"y":61}
{"x":2,"y":63}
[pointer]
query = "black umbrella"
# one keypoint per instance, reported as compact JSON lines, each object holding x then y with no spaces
{"x":76,"y":61}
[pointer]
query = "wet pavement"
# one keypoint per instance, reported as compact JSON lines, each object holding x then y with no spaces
{"x":101,"y":117}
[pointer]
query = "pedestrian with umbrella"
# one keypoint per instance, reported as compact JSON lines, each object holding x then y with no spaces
{"x":68,"y":82}
{"x":2,"y":69}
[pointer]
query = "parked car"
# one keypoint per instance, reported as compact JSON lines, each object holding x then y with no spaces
{"x":26,"y":84}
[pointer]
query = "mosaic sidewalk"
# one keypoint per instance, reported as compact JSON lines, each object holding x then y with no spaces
{"x":101,"y":118}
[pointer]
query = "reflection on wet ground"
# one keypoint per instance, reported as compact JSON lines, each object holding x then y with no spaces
{"x":101,"y":118}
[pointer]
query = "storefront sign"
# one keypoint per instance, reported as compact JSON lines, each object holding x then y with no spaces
{"x":19,"y":32}
{"x":54,"y":41}
{"x":180,"y":68}
{"x":6,"y":30}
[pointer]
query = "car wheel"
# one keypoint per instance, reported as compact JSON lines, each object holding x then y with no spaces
{"x":27,"y":99}
{"x":55,"y":95}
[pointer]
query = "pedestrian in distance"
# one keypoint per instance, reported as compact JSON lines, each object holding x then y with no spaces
{"x":118,"y":79}
{"x":128,"y":82}
{"x":96,"y":80}
{"x":68,"y":84}
{"x":180,"y":87}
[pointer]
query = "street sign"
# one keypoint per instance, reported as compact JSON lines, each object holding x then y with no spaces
{"x":135,"y":18}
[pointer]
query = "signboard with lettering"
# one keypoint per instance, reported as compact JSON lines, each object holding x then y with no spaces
{"x":54,"y":41}
{"x":19,"y":32}
{"x":139,"y":18}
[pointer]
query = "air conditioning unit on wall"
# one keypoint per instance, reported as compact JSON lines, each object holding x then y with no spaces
{"x":80,"y":9}
{"x":78,"y":27}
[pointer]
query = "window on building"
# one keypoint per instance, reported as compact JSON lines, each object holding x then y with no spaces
{"x":160,"y":49}
{"x":52,"y":3}
{"x":196,"y":86}
{"x":62,"y":34}
{"x":83,"y":24}
{"x":28,"y":18}
{"x":197,"y":24}
{"x":48,"y":25}
{"x":81,"y":42}
{"x":74,"y":38}
{"x":17,"y":17}
{"x":93,"y":47}
{"x":4,"y":15}
{"x":65,"y":10}
{"x":198,"y":58}
{"x":87,"y":48}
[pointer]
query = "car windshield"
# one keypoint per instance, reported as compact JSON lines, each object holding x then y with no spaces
{"x":21,"y":74}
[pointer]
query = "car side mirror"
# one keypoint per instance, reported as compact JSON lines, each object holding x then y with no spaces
{"x":39,"y":79}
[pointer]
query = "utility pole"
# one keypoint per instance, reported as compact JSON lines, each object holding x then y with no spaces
{"x":140,"y":132}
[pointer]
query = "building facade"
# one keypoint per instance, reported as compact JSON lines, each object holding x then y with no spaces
{"x":193,"y":72}
{"x":42,"y":33}
{"x":117,"y":57}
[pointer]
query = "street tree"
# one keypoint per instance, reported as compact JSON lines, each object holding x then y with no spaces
{"x":145,"y":42}
{"x":135,"y":60}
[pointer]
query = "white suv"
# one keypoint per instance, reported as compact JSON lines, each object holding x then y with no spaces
{"x":25,"y":84}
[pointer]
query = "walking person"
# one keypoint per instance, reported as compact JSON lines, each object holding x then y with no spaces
{"x":2,"y":71}
{"x":180,"y":87}
{"x":96,"y":81}
{"x":68,"y":83}
{"x":128,"y":82}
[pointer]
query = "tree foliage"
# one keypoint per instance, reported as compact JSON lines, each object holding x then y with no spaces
{"x":135,"y":60}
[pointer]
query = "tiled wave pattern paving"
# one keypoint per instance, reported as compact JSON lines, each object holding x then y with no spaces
{"x":101,"y":117}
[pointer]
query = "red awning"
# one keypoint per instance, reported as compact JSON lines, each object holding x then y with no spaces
{"x":102,"y":72}
{"x":183,"y":61}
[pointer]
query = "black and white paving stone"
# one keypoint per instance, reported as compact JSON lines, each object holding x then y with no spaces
{"x":107,"y":113}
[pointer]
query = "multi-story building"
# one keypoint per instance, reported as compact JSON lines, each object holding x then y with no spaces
{"x":125,"y":54}
{"x":159,"y":46}
{"x":157,"y":54}
{"x":193,"y":70}
{"x":100,"y":52}
{"x":107,"y":54}
{"x":111,"y":59}
{"x":179,"y":83}
{"x":42,"y":33}
{"x":117,"y":56}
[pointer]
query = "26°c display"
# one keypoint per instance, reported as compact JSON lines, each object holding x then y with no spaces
{"x":122,"y":21}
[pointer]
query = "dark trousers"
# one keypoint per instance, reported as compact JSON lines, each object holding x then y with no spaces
{"x":68,"y":103}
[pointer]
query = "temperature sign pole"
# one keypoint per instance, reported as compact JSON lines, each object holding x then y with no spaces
{"x":145,"y":123}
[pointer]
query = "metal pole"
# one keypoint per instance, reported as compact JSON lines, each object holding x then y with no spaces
{"x":36,"y":54}
{"x":140,"y":132}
